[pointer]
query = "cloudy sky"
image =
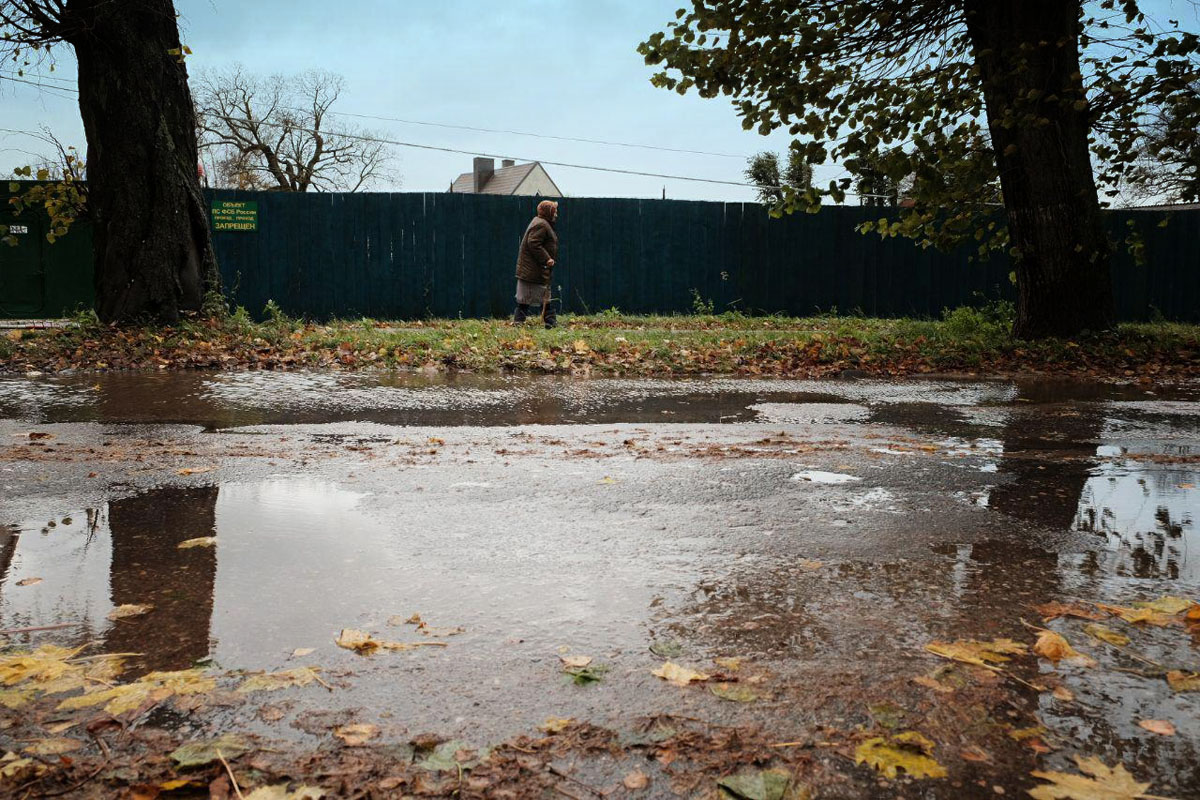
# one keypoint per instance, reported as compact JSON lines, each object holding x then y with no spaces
{"x":565,"y":68}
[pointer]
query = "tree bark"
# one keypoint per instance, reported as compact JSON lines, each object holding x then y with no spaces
{"x":151,"y":244}
{"x":1041,"y":141}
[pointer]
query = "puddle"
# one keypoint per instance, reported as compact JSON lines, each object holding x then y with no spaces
{"x":232,"y":399}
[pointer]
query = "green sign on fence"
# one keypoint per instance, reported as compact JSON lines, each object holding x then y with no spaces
{"x":235,"y":215}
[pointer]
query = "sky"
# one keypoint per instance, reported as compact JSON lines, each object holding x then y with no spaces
{"x":566,"y":68}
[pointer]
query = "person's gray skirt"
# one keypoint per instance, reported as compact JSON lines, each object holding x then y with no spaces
{"x":531,"y":294}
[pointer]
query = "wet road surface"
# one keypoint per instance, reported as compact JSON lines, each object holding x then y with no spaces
{"x":822,"y":532}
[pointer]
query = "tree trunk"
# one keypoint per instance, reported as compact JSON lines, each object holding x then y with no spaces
{"x":1041,"y":143}
{"x":151,"y":243}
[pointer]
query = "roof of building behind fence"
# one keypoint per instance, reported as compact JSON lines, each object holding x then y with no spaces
{"x":503,"y":181}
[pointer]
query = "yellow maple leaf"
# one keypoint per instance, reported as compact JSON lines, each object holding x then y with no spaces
{"x":1105,"y":783}
{"x":908,"y":751}
{"x":677,"y":675}
{"x":1106,"y":635}
{"x":1055,"y":647}
{"x":979,"y":653}
{"x":1138,"y":615}
{"x":1167,"y":604}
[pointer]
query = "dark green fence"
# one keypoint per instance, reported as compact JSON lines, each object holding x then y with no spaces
{"x":39,"y":280}
{"x":452,"y":255}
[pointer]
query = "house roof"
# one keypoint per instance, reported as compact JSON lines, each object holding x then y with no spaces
{"x":503,"y":181}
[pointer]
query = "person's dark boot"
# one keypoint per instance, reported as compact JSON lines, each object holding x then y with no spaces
{"x":520,"y":314}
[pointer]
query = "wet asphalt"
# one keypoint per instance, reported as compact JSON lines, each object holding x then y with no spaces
{"x":823,"y":532}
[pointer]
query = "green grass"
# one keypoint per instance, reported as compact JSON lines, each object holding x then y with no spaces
{"x":966,"y":339}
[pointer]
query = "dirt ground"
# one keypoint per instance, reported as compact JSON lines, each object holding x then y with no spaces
{"x":375,"y":585}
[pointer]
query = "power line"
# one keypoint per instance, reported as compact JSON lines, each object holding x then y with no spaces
{"x":537,"y":135}
{"x":378,"y":140}
{"x":54,"y":90}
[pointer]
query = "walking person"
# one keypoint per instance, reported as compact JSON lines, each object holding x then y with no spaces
{"x":535,"y":262}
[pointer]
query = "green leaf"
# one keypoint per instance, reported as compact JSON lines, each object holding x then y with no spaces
{"x":198,"y":754}
{"x":771,"y":784}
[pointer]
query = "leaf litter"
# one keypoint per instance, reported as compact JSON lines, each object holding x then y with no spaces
{"x":365,"y":644}
{"x":1098,"y":782}
{"x":909,"y":752}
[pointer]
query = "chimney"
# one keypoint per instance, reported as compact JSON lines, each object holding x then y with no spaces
{"x":483,"y":171}
{"x":508,"y":162}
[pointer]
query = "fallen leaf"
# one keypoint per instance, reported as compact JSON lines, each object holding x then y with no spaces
{"x":908,"y":751}
{"x":731,"y":664}
{"x":1167,"y":605}
{"x":770,"y":784}
{"x":193,"y":470}
{"x":204,"y":752}
{"x":1056,"y":648}
{"x":272,"y":681}
{"x":1063,"y":693}
{"x":203,"y":541}
{"x":29,"y":581}
{"x":358,"y":641}
{"x":671,"y":649}
{"x":677,"y":675}
{"x":1050,"y":611}
{"x":129,"y":610}
{"x":979,"y":653}
{"x":1184,"y":681}
{"x":975,"y":753}
{"x":734,"y":692}
{"x":1106,"y":634}
{"x":1104,"y":784}
{"x":1022,"y":734}
{"x":887,"y":715}
{"x":556,"y":724}
{"x":1138,"y":615}
{"x":364,"y":644}
{"x":53,"y":747}
{"x":636,"y":780}
{"x":1160,"y":726}
{"x":16,"y":698}
{"x":575,"y":662}
{"x":281,"y":792}
{"x":357,"y":734}
{"x":151,"y":688}
{"x":301,"y":652}
{"x":451,"y":757}
{"x":39,"y":435}
{"x":14,"y":769}
{"x":809,"y":564}
{"x":607,"y":481}
{"x":582,"y":676}
{"x":932,"y":683}
{"x":177,"y":783}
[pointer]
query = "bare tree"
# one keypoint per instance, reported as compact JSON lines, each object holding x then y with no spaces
{"x":275,"y":133}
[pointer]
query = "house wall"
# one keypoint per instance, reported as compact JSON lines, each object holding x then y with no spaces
{"x":538,"y":182}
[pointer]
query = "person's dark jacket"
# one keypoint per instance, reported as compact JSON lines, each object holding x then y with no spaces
{"x":539,"y":246}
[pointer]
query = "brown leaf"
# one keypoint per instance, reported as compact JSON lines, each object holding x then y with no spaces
{"x":357,"y":734}
{"x":1050,"y":611}
{"x":29,"y":582}
{"x":636,"y":780}
{"x":1160,"y":726}
{"x":129,"y":610}
{"x":1054,"y":647}
{"x":1184,"y":681}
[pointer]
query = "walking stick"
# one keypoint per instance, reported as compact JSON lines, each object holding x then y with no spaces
{"x":545,"y":303}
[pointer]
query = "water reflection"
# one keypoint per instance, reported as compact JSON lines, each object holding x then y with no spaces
{"x":148,"y":568}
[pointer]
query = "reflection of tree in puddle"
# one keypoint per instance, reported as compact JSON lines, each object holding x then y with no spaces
{"x":149,"y":568}
{"x":1147,"y":516}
